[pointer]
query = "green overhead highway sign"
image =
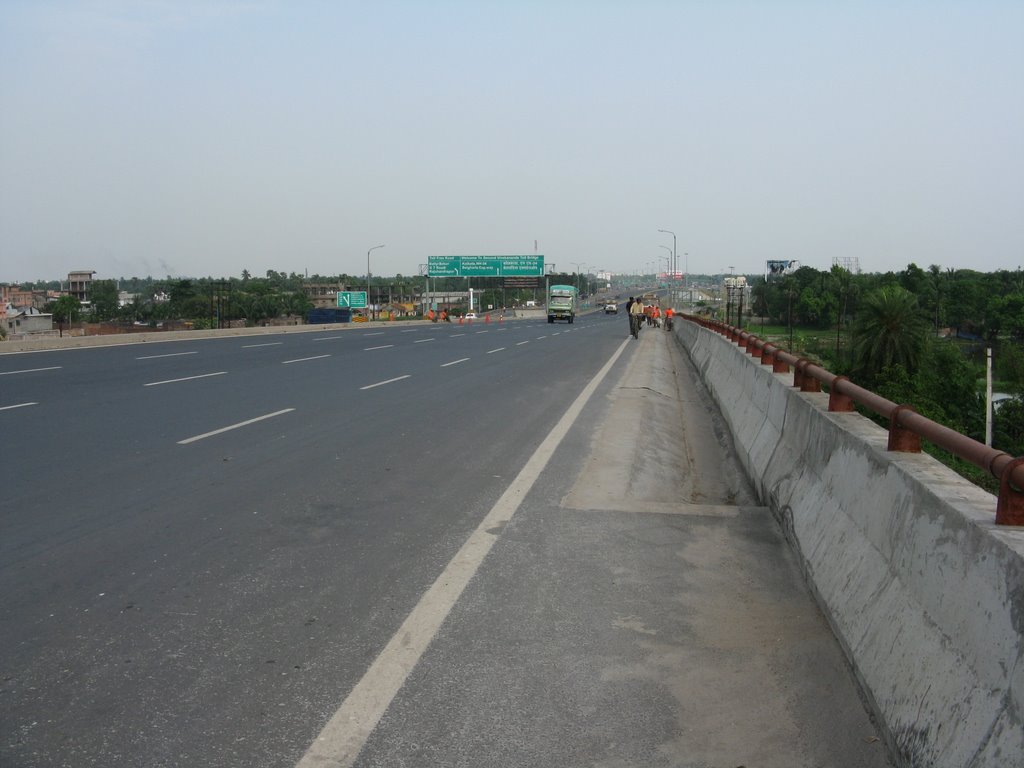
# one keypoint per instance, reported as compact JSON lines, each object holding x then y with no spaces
{"x":485,"y":266}
{"x":352,"y":299}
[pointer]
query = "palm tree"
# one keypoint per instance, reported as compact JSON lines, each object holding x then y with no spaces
{"x":889,"y":330}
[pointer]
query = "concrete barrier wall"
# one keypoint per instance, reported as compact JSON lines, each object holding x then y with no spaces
{"x":923,"y":591}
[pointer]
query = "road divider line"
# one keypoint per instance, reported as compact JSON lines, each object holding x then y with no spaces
{"x":187,"y":378}
{"x":452,"y":336}
{"x":19,"y":405}
{"x":245,"y":423}
{"x":420,"y":341}
{"x":374,"y":333}
{"x":410,"y":330}
{"x":479,"y":332}
{"x":303,"y":359}
{"x":382,"y":346}
{"x":541,"y":337}
{"x":266,"y":344}
{"x":342,"y":739}
{"x":499,"y":349}
{"x":388,"y":381}
{"x":32,"y":370}
{"x":455,"y":362}
{"x":169,"y":354}
{"x":520,"y":343}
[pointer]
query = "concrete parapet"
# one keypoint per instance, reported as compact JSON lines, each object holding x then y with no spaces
{"x":923,"y":591}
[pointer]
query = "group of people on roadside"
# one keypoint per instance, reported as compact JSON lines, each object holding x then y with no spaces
{"x":651,"y":314}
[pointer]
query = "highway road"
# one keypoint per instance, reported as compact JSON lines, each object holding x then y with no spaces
{"x":208,"y":547}
{"x":174,"y":593}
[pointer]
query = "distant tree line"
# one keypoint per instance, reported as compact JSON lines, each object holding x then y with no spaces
{"x":915,"y":336}
{"x":209,"y":302}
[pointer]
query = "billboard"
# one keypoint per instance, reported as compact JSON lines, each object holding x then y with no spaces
{"x":778,"y":268}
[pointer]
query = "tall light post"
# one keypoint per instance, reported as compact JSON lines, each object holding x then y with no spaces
{"x":671,"y":257}
{"x":675,"y":262}
{"x":369,"y":311}
{"x":578,"y":265}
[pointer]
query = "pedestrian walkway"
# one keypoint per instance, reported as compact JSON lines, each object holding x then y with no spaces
{"x":639,"y":609}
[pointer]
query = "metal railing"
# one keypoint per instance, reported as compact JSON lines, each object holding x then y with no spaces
{"x":906,"y":426}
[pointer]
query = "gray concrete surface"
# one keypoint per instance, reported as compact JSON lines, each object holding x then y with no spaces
{"x":640,"y":609}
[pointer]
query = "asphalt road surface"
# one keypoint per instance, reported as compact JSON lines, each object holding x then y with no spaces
{"x":514,"y":544}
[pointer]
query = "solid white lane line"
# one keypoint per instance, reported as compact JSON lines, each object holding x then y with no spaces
{"x":382,"y":346}
{"x":32,"y":370}
{"x":520,"y":343}
{"x":388,"y":381}
{"x":499,"y":349}
{"x":303,"y":359}
{"x":187,"y":378}
{"x":267,"y":344}
{"x":421,"y":341}
{"x":245,"y":423}
{"x":455,"y":362}
{"x":19,"y":405}
{"x":345,"y":734}
{"x":170,"y":354}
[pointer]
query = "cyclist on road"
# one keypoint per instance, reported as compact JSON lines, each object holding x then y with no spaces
{"x":636,"y":317}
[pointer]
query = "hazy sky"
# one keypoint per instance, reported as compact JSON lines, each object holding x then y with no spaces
{"x":203,"y":138}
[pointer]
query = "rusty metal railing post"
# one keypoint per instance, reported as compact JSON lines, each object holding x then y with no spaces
{"x":807,"y":382}
{"x":778,"y":364}
{"x":902,"y":439}
{"x":1010,"y":505}
{"x":837,"y":401}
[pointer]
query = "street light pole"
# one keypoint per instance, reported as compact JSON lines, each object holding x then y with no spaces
{"x":369,"y":311}
{"x":671,"y":257}
{"x":578,"y":265}
{"x":675,"y":261}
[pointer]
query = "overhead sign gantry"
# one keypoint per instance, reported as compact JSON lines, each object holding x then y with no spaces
{"x":485,"y":266}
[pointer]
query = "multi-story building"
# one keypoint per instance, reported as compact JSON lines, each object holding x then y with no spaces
{"x":79,"y":283}
{"x":323,"y":294}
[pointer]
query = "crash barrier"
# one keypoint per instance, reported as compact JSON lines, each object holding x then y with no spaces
{"x":923,"y":590}
{"x":906,"y":426}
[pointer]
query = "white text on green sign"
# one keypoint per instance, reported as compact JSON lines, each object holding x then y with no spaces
{"x":352,"y":299}
{"x":485,"y":266}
